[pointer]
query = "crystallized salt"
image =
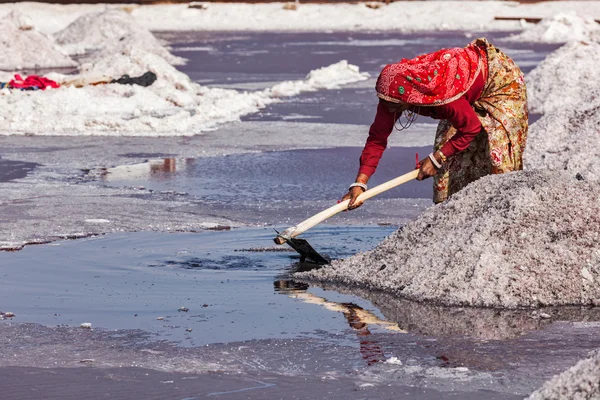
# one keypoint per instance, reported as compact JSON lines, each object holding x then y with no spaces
{"x":567,"y":140}
{"x":23,"y":47}
{"x":578,"y":382}
{"x":560,"y":28}
{"x":330,"y":77}
{"x":518,"y":239}
{"x":173,"y":105}
{"x":110,"y":32}
{"x":566,"y":79}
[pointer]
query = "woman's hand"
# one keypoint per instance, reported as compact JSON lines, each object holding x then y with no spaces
{"x":352,"y":194}
{"x":427,"y":169}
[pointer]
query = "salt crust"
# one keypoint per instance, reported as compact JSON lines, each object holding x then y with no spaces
{"x":401,"y":16}
{"x":560,"y":28}
{"x":580,"y":382}
{"x":110,"y":32}
{"x":173,"y":105}
{"x":524,"y":239}
{"x":567,"y":140}
{"x":566,"y":79}
{"x":23,"y":47}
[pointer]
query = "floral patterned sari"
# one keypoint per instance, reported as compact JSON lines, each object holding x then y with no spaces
{"x":502,"y":110}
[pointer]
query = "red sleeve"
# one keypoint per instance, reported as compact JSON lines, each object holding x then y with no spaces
{"x":462,"y":116}
{"x":377,"y":141}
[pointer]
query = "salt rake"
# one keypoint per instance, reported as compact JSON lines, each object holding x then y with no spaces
{"x":304,"y":248}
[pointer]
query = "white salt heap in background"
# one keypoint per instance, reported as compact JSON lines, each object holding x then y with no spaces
{"x":567,"y":78}
{"x":24,"y":47}
{"x":173,"y":105}
{"x":110,"y":32}
{"x":521,"y":239}
{"x":560,"y":28}
{"x":565,"y":87}
{"x":567,"y":140}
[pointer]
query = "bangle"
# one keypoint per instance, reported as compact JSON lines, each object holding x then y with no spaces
{"x":443,"y":157}
{"x":358,"y":184}
{"x":434,"y":161}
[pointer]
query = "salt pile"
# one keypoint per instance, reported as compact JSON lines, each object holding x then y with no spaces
{"x":561,"y":28}
{"x":565,"y":79}
{"x":524,"y":239}
{"x":580,"y":382}
{"x":110,"y":32}
{"x":88,"y":104}
{"x":564,"y":87}
{"x":567,"y":140}
{"x":173,"y":105}
{"x":24,"y":47}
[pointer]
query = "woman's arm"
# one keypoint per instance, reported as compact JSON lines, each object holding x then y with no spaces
{"x":374,"y":147}
{"x":461,"y":115}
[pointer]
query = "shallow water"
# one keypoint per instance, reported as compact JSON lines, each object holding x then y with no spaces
{"x":281,"y":176}
{"x":11,"y":170}
{"x":257,"y":60}
{"x":126,"y":281}
{"x":243,"y":315}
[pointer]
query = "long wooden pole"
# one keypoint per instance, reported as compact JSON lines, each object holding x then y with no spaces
{"x":303,"y":226}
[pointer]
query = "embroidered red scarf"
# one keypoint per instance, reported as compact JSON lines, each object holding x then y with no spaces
{"x":431,"y":79}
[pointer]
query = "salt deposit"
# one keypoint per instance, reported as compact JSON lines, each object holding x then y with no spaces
{"x":24,"y":47}
{"x":567,"y":140}
{"x":173,"y":105}
{"x":402,"y":16}
{"x":110,"y":32}
{"x":565,"y":79}
{"x":560,"y":28}
{"x":579,"y":382}
{"x":522,"y":239}
{"x":114,"y":45}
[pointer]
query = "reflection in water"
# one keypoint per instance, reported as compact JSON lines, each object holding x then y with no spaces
{"x":358,"y":318}
{"x":477,"y":323}
{"x":160,"y":167}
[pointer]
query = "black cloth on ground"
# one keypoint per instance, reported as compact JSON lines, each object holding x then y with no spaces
{"x":144,"y":80}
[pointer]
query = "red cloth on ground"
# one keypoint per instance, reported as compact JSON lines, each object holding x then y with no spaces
{"x":32,"y":81}
{"x":459,"y":113}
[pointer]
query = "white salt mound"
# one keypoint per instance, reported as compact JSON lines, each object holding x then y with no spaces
{"x":524,"y":239}
{"x":330,"y":77}
{"x":23,"y":47}
{"x":561,"y":28}
{"x":580,"y":382}
{"x":566,"y":79}
{"x":112,"y":31}
{"x":567,"y":140}
{"x":173,"y":105}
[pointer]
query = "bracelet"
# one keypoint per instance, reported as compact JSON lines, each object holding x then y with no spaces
{"x":434,"y":161}
{"x":443,"y":157}
{"x":358,"y":184}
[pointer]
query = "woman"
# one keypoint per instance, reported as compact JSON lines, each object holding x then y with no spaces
{"x":479,"y":95}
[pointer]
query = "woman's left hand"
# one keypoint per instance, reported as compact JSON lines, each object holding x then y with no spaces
{"x":427,"y":169}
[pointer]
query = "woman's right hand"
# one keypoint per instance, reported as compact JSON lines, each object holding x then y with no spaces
{"x":352,"y":194}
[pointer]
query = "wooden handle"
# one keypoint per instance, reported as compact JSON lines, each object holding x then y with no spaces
{"x":331,"y":211}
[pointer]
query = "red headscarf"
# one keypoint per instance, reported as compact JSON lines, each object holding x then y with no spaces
{"x":431,"y":79}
